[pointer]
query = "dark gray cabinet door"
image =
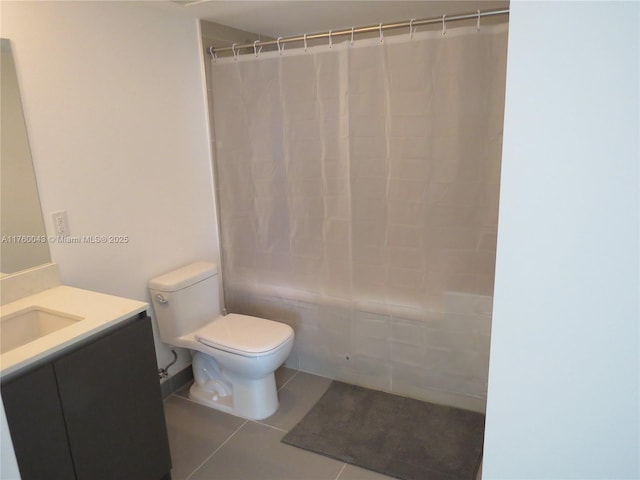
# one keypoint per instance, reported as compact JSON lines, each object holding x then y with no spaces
{"x":112,"y":405}
{"x":37,"y":426}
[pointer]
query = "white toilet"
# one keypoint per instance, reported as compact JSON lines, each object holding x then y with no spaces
{"x":234,"y":355}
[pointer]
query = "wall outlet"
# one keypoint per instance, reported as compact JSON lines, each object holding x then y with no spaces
{"x":60,"y":223}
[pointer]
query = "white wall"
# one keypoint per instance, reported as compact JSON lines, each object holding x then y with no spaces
{"x":114,"y":101}
{"x":563,"y":397}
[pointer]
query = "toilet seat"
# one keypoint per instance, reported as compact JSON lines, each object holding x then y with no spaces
{"x":244,"y":335}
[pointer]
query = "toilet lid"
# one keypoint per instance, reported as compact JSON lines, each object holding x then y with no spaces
{"x":244,"y":335}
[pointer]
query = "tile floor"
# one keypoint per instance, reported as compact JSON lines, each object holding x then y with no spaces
{"x":210,"y":445}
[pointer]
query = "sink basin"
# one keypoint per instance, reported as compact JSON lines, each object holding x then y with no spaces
{"x":29,"y":324}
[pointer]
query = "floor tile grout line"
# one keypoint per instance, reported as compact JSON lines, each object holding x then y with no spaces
{"x":270,"y":426}
{"x":187,"y":399}
{"x":216,"y":450}
{"x":287,"y":382}
{"x":341,"y":470}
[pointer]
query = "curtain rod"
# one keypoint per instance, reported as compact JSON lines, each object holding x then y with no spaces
{"x":371,"y":28}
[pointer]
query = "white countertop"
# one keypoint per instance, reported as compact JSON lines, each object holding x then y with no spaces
{"x":98,"y":310}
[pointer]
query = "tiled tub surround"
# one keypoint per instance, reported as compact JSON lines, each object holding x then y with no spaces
{"x":207,"y":444}
{"x":443,"y":358}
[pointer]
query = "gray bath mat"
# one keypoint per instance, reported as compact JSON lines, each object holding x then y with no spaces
{"x":393,"y":435}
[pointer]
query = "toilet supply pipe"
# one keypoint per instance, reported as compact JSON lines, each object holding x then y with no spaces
{"x":164,"y":372}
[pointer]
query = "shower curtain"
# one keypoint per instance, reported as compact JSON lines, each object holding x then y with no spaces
{"x":358,"y":197}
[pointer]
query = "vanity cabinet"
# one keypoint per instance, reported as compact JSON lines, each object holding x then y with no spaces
{"x":92,"y":412}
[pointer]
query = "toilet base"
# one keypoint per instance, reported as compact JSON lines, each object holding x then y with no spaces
{"x":255,"y":399}
{"x":199,"y":395}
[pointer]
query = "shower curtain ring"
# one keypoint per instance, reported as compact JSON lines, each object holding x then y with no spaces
{"x":256,"y":51}
{"x":352,"y":30}
{"x":212,"y":52}
{"x":280,"y":48}
{"x":381,"y":34}
{"x":444,"y":24}
{"x":478,"y":24}
{"x":235,"y":52}
{"x":304,"y":37}
{"x":330,"y":40}
{"x":411,"y":29}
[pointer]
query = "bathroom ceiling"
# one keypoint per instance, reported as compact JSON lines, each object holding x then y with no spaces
{"x":289,"y":17}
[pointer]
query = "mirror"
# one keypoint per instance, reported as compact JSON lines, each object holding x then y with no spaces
{"x":24,"y":241}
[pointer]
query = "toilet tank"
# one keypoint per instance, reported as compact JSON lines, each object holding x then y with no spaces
{"x":185,"y":299}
